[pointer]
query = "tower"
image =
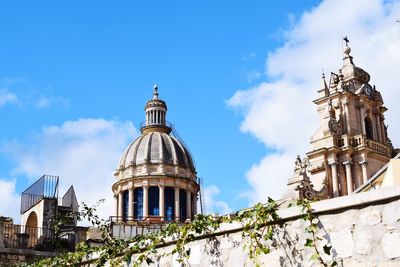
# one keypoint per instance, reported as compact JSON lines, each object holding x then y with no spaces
{"x":155,"y":178}
{"x":351,"y":143}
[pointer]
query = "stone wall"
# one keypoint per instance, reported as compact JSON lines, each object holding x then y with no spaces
{"x":363,"y":229}
{"x":15,"y":257}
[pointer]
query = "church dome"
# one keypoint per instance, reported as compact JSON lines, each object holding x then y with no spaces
{"x":157,"y":151}
{"x":156,"y":148}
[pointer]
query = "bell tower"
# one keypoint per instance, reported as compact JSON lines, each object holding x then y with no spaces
{"x":351,"y":143}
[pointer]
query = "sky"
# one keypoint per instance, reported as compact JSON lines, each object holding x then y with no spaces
{"x":239,"y":78}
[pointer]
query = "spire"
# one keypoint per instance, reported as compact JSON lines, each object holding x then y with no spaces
{"x":324,"y":86}
{"x":324,"y":91}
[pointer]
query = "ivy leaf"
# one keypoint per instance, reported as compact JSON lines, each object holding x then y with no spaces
{"x":314,"y":257}
{"x":327,"y":249}
{"x":309,"y":243}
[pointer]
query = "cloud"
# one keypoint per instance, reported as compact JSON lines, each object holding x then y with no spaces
{"x":280,"y":112}
{"x":253,"y":75}
{"x":8,"y":199}
{"x":84,"y":153}
{"x":7,"y":97}
{"x":249,"y":56}
{"x":213,"y":205}
{"x":45,"y":102}
{"x":19,"y":91}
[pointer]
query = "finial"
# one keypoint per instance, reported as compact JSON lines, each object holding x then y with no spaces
{"x":324,"y":85}
{"x":347,"y":41}
{"x":347,"y":49}
{"x":155,"y":93}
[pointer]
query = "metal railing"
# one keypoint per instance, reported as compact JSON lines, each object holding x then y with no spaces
{"x":34,"y":238}
{"x":145,"y":124}
{"x":26,"y":237}
{"x":45,"y":187}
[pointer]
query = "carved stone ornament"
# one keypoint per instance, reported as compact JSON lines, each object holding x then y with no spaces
{"x":307,"y":191}
{"x":305,"y":187}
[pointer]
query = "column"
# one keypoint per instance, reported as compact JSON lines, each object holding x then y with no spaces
{"x":346,"y":110}
{"x":362,"y":121}
{"x":374,"y":130}
{"x":116,"y":206}
{"x":349,"y":178}
{"x":188,"y":205}
{"x":364,"y":164}
{"x":161,"y":202}
{"x":145,"y":202}
{"x":195,"y":203}
{"x":378,"y":128}
{"x":156,"y":116}
{"x":130,"y":203}
{"x":120,"y":206}
{"x":335,"y":182}
{"x":177,"y":203}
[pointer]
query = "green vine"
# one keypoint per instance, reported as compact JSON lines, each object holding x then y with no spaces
{"x":259,"y":224}
{"x":309,"y":216}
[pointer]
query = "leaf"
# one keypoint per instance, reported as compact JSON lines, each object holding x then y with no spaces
{"x":309,"y":243}
{"x":314,"y":257}
{"x":327,"y":249}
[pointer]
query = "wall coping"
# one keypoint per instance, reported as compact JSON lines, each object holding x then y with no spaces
{"x":331,"y":205}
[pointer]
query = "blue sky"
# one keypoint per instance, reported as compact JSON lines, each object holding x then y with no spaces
{"x":94,"y":63}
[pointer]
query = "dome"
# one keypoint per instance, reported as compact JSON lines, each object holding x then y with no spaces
{"x":156,"y":148}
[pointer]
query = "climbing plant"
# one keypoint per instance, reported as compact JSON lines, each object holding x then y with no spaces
{"x":260,"y":229}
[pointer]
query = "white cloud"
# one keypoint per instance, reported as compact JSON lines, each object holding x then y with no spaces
{"x":45,"y":102}
{"x":213,"y":205}
{"x":9,"y":198}
{"x":83,"y":153}
{"x":7,"y":97}
{"x":281,"y":114}
{"x":249,"y":56}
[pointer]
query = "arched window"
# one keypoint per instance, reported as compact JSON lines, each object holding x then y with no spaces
{"x":182,"y":205}
{"x":138,"y":203}
{"x":169,"y":203}
{"x":154,"y":201}
{"x":193,"y":202}
{"x":368,"y":128}
{"x":125,"y":201}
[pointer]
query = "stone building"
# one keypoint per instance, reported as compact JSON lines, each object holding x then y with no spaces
{"x":36,"y":236}
{"x":156,"y":175}
{"x":351,"y":144}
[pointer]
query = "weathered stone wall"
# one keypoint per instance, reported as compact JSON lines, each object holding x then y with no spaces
{"x":15,"y":257}
{"x":363,"y":229}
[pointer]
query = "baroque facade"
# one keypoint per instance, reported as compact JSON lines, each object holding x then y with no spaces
{"x":351,"y":143}
{"x":156,"y":175}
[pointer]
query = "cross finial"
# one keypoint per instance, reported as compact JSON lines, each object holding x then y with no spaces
{"x":347,"y":41}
